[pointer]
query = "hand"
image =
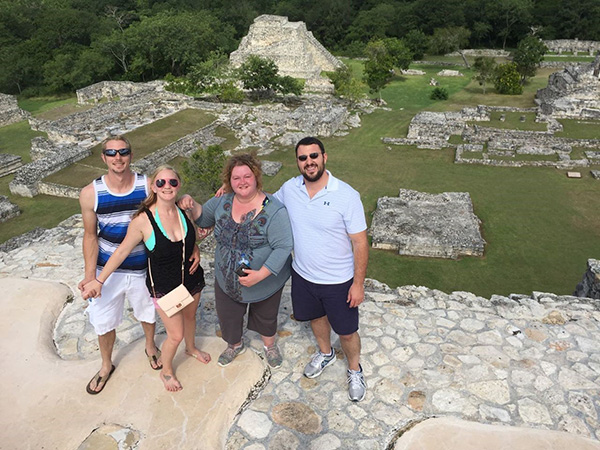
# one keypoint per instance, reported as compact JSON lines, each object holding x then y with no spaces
{"x":83,"y":282}
{"x":203,"y":233}
{"x":195,"y":259}
{"x":186,"y":202}
{"x":92,"y":289}
{"x":220,"y":191}
{"x":253,"y":277}
{"x":356,"y":295}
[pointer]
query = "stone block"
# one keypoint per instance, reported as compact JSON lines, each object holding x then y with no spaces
{"x":421,"y":224}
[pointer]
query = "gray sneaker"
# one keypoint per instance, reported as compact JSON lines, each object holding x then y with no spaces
{"x":357,"y":386}
{"x":230,"y":353}
{"x":318,"y":363}
{"x":274,"y":358}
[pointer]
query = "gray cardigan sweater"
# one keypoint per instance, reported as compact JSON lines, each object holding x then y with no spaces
{"x":266,"y":239}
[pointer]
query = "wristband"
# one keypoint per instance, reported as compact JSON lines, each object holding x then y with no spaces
{"x":99,"y":281}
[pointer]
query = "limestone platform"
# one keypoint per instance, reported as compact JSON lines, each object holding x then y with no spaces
{"x":526,"y":365}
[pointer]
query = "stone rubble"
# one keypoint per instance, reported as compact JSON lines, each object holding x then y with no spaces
{"x":524,"y":360}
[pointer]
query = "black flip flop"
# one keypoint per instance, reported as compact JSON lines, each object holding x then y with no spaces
{"x":99,"y":380}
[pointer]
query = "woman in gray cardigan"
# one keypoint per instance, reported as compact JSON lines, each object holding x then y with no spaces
{"x":252,"y":257}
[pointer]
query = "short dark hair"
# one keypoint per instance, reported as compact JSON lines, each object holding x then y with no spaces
{"x":310,"y":140}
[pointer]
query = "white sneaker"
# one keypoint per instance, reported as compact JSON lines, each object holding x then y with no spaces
{"x":318,"y":363}
{"x":357,"y":386}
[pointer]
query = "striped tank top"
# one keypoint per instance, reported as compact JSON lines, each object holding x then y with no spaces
{"x":114,"y":213}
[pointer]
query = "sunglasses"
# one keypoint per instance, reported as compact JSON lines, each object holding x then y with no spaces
{"x":120,"y":151}
{"x":174,"y":182}
{"x":314,"y":155}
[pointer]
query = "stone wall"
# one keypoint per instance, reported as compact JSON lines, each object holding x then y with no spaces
{"x":289,"y":44}
{"x":89,"y":127}
{"x":473,"y":52}
{"x":573,"y":45}
{"x":572,"y":93}
{"x":590,"y":284}
{"x":432,"y":225}
{"x":10,"y":111}
{"x":114,"y":90}
{"x":27,"y":178}
{"x":9,"y":163}
{"x":8,"y":210}
{"x":58,"y":190}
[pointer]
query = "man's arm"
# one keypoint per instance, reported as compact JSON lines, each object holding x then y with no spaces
{"x":90,"y":234}
{"x":360,"y":248}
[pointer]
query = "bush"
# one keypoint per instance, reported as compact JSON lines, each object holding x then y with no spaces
{"x":202,"y":172}
{"x":508,"y":80}
{"x":228,"y":92}
{"x":439,"y":93}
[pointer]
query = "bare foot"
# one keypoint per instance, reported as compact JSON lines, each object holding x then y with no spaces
{"x":171,"y":383}
{"x":199,"y":355}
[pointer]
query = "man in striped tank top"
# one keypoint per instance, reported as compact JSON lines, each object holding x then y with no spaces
{"x":107,"y":205}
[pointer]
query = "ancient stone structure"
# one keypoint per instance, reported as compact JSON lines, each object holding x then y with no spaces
{"x":433,"y":130}
{"x":492,"y":53}
{"x":573,"y":45}
{"x":114,"y":90}
{"x":433,"y":225}
{"x":10,"y":111}
{"x":8,"y":210}
{"x":450,"y":73}
{"x":27,"y":178}
{"x":270,"y":168}
{"x":9,"y":163}
{"x":590,"y":284}
{"x":572,"y":93}
{"x":291,"y":46}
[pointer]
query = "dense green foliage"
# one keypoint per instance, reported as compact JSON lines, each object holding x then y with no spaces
{"x":261,"y":77}
{"x":53,"y":46}
{"x":507,"y":79}
{"x":528,"y":56}
{"x":439,"y":93}
{"x":202,"y":172}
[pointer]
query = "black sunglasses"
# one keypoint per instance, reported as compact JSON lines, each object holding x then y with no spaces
{"x":120,"y":151}
{"x":174,"y":182}
{"x":314,"y":155}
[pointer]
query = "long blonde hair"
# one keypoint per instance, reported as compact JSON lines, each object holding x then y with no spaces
{"x":151,"y":199}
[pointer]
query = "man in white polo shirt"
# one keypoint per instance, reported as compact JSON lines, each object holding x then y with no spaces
{"x":330,"y":259}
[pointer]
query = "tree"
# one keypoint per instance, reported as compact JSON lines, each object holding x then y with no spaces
{"x":485,"y":68}
{"x":507,"y":79}
{"x":417,"y":42}
{"x":202,"y":171}
{"x":528,"y":56}
{"x":508,"y":14}
{"x":261,"y":76}
{"x":378,"y":67}
{"x":399,"y":53}
{"x":448,"y":40}
{"x":345,"y":85}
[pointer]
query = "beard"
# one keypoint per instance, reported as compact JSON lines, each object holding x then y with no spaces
{"x":316,"y":176}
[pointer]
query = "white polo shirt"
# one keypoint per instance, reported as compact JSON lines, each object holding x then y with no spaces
{"x":322,"y":247}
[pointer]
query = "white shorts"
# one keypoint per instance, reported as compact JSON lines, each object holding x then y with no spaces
{"x":106,"y":312}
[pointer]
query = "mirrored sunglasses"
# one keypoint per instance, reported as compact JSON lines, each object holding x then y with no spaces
{"x":120,"y":151}
{"x":314,"y":155}
{"x":174,"y":182}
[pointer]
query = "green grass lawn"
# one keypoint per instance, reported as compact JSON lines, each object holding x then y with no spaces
{"x":52,"y":108}
{"x":16,"y":139}
{"x":540,"y":226}
{"x":582,"y":129}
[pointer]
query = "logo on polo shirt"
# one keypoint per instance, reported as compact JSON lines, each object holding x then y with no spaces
{"x":326,"y":203}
